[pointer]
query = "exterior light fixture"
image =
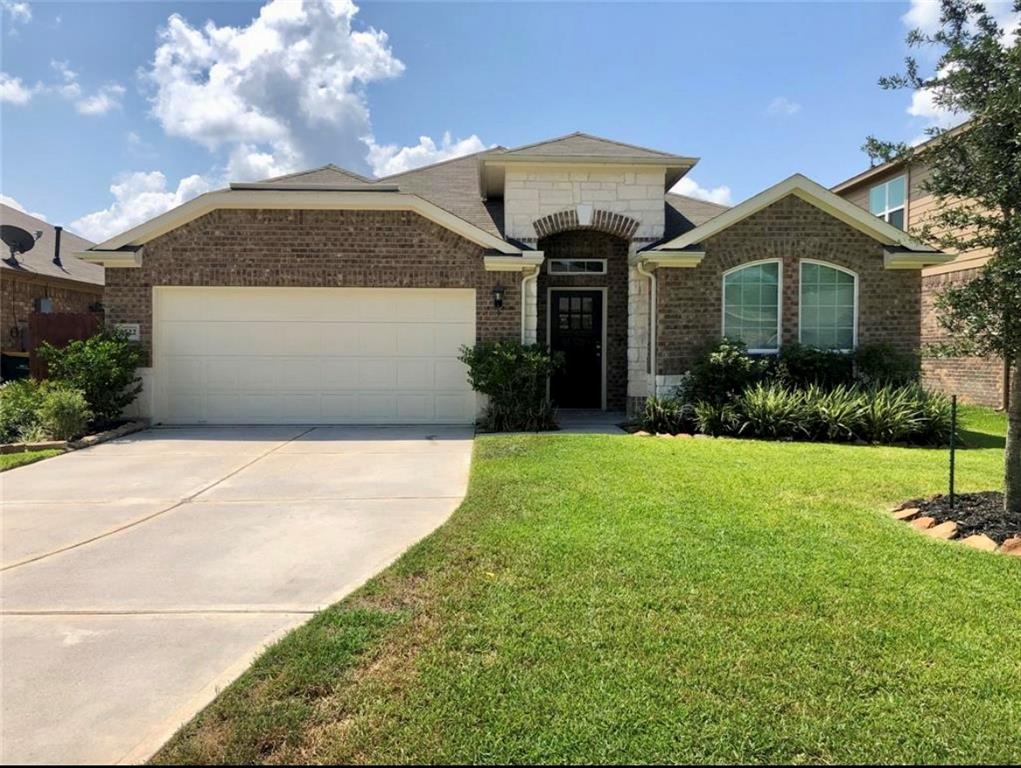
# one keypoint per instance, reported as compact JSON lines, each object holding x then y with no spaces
{"x":498,"y":297}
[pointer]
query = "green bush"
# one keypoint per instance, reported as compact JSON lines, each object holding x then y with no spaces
{"x":63,"y":413}
{"x":801,"y":366}
{"x":102,"y":367}
{"x":667,"y":414}
{"x":19,"y":408}
{"x":833,"y":415}
{"x":723,"y":371}
{"x":883,"y":364}
{"x":515,"y":379}
{"x":771,"y":410}
{"x":717,"y":419}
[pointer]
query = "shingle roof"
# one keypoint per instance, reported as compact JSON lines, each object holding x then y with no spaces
{"x":328,"y":174}
{"x":39,"y":261}
{"x":586,"y":145}
{"x":684,"y":213}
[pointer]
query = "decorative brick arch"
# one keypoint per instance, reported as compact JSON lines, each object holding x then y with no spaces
{"x":600,"y":220}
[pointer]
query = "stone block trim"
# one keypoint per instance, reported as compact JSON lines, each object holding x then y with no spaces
{"x":18,"y":295}
{"x":690,"y":300}
{"x":975,"y":379}
{"x":604,"y":221}
{"x":304,"y":248}
{"x":590,"y":244}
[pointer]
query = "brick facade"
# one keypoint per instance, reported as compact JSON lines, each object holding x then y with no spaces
{"x":975,"y":379}
{"x":17,"y":301}
{"x":305,"y":248}
{"x":589,"y":244}
{"x":690,"y":300}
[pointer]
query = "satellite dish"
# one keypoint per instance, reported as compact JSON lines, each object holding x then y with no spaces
{"x":16,"y":239}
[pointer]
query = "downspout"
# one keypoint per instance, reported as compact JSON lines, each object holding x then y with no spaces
{"x":653,"y":312}
{"x":525,"y":278}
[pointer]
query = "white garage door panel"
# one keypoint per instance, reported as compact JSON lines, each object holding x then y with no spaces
{"x":312,"y":355}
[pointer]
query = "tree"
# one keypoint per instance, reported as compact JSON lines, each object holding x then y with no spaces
{"x":976,"y":180}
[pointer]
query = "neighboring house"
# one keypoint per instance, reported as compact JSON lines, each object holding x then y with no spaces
{"x":42,"y":280}
{"x":895,"y":192}
{"x":327,"y":297}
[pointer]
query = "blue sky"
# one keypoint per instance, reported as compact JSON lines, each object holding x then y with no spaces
{"x":113,"y":112}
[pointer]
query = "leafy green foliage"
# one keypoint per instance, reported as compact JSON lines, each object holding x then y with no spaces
{"x":884,"y":364}
{"x":799,"y":365}
{"x":63,"y":413}
{"x":102,"y":367}
{"x":723,"y":371}
{"x":669,"y":415}
{"x":19,"y":408}
{"x":717,"y":419}
{"x":514,"y":377}
{"x":772,"y":411}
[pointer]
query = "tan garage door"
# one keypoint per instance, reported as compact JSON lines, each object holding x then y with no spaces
{"x":312,"y":355}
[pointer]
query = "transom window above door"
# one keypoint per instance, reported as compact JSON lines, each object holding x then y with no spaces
{"x":751,"y":305}
{"x":577,"y":266}
{"x":887,"y":200}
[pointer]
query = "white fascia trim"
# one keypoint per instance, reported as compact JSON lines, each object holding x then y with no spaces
{"x":514,"y":263}
{"x":117,"y":259}
{"x":669,"y":260}
{"x":303,"y":200}
{"x":812,"y":193}
{"x":897,"y":259}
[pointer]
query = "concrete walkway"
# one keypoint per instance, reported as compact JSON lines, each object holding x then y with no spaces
{"x":141,"y":576}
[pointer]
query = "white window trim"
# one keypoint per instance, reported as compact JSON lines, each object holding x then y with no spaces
{"x":551,"y":271}
{"x":887,"y":210}
{"x":845,"y":270}
{"x":779,"y":302}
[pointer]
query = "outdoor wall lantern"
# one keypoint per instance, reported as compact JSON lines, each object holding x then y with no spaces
{"x":498,"y":297}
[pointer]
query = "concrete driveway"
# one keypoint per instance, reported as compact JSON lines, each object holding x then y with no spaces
{"x":142,"y":575}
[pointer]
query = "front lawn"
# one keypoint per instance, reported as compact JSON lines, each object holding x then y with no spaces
{"x":12,"y":460}
{"x":618,"y":599}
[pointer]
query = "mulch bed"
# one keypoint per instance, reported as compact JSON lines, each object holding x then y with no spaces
{"x":973,"y":512}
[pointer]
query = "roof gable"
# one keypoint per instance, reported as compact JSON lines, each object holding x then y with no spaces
{"x":580,"y":144}
{"x":328,"y":174}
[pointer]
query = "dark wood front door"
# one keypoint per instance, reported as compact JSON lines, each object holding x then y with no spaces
{"x":576,"y":330}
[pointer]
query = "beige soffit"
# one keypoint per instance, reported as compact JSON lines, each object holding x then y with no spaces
{"x":814,"y":194}
{"x":123,"y":250}
{"x":530,"y":260}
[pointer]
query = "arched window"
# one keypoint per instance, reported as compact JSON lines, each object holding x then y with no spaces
{"x":828,"y":306}
{"x":751,"y":305}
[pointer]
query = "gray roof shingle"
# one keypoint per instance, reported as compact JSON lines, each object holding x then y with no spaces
{"x":39,"y":261}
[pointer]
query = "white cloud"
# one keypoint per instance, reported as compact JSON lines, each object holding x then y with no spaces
{"x":925,"y":15}
{"x":19,"y":12}
{"x":781,"y":105}
{"x":688,"y":186}
{"x":108,"y":97}
{"x":137,"y":197}
{"x":285,"y":91}
{"x":13,"y":91}
{"x":388,"y":159}
{"x":11,"y":202}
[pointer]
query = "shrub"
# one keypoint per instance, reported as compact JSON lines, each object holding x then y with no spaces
{"x":667,"y":414}
{"x":724,"y":371}
{"x":19,"y":408}
{"x":889,"y":414}
{"x":63,"y":413}
{"x":883,"y":364}
{"x":833,"y":415}
{"x":514,"y":377}
{"x":801,"y":366}
{"x":934,"y":416}
{"x":717,"y":418}
{"x":102,"y":367}
{"x":772,"y":411}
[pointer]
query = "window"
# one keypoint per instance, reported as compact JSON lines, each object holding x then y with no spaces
{"x":829,"y":306}
{"x":577,"y":266}
{"x":751,"y":305}
{"x":886,"y":201}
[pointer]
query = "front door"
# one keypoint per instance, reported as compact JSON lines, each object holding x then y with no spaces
{"x":576,"y":330}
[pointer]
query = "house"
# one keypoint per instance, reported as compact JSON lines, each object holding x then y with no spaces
{"x":325,"y":296}
{"x":895,"y":191}
{"x":46,"y":279}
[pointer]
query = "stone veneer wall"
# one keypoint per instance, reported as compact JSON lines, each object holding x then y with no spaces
{"x":532,"y":192}
{"x":978,"y":380}
{"x":690,"y":300}
{"x":293,"y":248}
{"x":589,"y":244}
{"x":17,"y":301}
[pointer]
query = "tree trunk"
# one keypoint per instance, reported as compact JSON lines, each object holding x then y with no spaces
{"x":1012,"y":456}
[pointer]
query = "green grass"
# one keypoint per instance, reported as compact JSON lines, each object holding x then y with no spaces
{"x":619,"y":599}
{"x":12,"y":460}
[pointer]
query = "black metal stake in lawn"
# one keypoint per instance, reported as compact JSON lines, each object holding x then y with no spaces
{"x":953,"y":444}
